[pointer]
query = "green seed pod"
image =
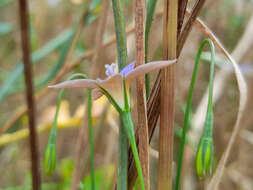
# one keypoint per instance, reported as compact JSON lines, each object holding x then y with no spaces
{"x":49,"y":160}
{"x":204,"y":160}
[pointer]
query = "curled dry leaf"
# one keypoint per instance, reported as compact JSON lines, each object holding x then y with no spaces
{"x":213,"y":185}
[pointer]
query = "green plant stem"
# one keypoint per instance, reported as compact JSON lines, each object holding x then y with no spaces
{"x":52,"y":136}
{"x":91,"y":140}
{"x":151,"y":4}
{"x":207,"y":131}
{"x":122,"y":160}
{"x":120,"y":33}
{"x":126,"y":119}
{"x":122,"y":62}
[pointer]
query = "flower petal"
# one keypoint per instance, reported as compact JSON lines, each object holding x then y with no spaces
{"x":114,"y":86}
{"x":146,"y":68}
{"x":127,"y":69}
{"x":96,"y":93}
{"x":78,"y":83}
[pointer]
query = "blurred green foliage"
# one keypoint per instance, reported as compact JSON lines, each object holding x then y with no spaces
{"x":103,"y":178}
{"x":5,"y":28}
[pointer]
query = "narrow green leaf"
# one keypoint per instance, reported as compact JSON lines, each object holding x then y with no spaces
{"x":126,"y":119}
{"x":36,"y":57}
{"x":52,"y":45}
{"x":122,"y":62}
{"x":120,"y":33}
{"x":67,"y":46}
{"x":64,"y":38}
{"x":60,"y":61}
{"x":151,"y":4}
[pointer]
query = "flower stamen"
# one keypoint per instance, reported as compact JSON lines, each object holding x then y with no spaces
{"x":110,"y":69}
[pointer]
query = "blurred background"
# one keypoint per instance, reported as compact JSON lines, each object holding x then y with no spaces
{"x":52,"y":23}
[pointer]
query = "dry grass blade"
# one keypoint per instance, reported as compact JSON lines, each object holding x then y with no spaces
{"x":154,"y":98}
{"x":182,"y":5}
{"x":141,"y":92}
{"x":213,"y":185}
{"x":78,"y":32}
{"x":99,"y":37}
{"x":24,"y":22}
{"x":132,"y":173}
{"x":153,"y":104}
{"x":188,"y":26}
{"x":167,"y":111}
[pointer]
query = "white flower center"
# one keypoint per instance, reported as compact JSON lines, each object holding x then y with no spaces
{"x":110,"y":69}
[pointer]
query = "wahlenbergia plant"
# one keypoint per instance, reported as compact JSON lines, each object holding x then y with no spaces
{"x":205,"y":150}
{"x":116,"y":87}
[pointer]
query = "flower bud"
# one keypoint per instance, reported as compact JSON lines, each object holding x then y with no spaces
{"x":204,"y":160}
{"x":49,"y":160}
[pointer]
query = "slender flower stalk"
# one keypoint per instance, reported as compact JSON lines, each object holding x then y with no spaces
{"x":50,"y":153}
{"x":120,"y":33}
{"x":92,"y":160}
{"x":122,"y":62}
{"x":203,"y":162}
{"x":126,"y":118}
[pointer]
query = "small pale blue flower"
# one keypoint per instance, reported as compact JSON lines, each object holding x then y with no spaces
{"x":110,"y":69}
{"x":113,"y":84}
{"x":127,"y":69}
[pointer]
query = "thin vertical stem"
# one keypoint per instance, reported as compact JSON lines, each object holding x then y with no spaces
{"x":188,"y":106}
{"x":92,"y":161}
{"x":126,"y":118}
{"x":82,"y":137}
{"x":122,"y":159}
{"x":141,"y":91}
{"x":151,"y":4}
{"x":24,"y":22}
{"x":120,"y":33}
{"x":167,"y":97}
{"x":122,"y":61}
